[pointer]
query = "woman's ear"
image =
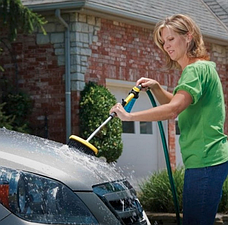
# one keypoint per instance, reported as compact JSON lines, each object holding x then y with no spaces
{"x":189,"y":37}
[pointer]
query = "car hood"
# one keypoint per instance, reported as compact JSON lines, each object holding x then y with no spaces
{"x":55,"y":160}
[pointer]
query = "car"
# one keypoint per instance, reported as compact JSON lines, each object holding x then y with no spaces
{"x":47,"y":182}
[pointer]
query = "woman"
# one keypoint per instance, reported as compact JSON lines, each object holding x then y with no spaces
{"x":199,"y":102}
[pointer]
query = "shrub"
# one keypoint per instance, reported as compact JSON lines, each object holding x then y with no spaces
{"x":95,"y":103}
{"x":156,"y":195}
{"x":19,"y":106}
{"x":223,"y":206}
{"x":16,"y":107}
{"x":5,"y":121}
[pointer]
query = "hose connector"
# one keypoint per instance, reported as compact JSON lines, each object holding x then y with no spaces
{"x":134,"y":93}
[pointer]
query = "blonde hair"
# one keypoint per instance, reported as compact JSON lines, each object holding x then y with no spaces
{"x":182,"y":25}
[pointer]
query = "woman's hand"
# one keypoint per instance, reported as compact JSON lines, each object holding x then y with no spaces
{"x":120,"y":112}
{"x":162,"y":96}
{"x":146,"y":83}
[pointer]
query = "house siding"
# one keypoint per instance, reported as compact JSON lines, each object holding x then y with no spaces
{"x":100,"y":49}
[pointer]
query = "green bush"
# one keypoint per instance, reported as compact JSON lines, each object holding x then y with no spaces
{"x":19,"y":106}
{"x":223,"y":206}
{"x":156,"y":194}
{"x":5,"y":121}
{"x":95,"y":103}
{"x":16,"y":108}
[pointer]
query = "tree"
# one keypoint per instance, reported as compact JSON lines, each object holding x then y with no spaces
{"x":15,"y":18}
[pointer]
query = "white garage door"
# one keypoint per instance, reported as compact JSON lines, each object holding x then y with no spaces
{"x":142,"y":148}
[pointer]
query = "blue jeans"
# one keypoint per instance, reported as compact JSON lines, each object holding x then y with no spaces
{"x":202,"y":194}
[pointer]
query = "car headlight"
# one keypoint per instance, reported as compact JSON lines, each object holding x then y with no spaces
{"x":40,"y":199}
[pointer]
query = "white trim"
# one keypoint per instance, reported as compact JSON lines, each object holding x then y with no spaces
{"x":119,"y":83}
{"x":123,"y":83}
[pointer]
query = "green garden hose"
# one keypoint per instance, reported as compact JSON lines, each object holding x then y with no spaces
{"x":162,"y":133}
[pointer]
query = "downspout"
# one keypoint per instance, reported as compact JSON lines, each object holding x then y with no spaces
{"x":67,"y":74}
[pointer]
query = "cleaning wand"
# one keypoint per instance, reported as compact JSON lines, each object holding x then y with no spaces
{"x":84,"y":145}
{"x":133,"y":94}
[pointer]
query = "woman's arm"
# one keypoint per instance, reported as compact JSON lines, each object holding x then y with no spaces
{"x":180,"y":101}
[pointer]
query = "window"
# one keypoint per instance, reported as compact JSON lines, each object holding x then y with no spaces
{"x":146,"y":128}
{"x":128,"y":127}
{"x":177,"y":128}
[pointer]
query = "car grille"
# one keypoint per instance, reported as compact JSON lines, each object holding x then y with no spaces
{"x":120,"y":197}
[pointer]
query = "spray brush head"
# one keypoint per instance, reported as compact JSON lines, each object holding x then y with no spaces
{"x":82,"y":145}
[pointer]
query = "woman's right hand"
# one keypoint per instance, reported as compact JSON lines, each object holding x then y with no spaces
{"x":146,"y":83}
{"x":162,"y":96}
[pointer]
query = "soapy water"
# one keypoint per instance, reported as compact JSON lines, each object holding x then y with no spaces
{"x":101,"y":168}
{"x":39,"y":147}
{"x":98,"y":166}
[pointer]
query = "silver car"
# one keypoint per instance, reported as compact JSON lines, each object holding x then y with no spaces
{"x":45,"y":182}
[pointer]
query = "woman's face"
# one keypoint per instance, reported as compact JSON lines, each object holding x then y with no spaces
{"x":175,"y":45}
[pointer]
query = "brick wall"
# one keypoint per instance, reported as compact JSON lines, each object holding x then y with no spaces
{"x":100,"y":49}
{"x":41,"y":77}
{"x":219,"y":54}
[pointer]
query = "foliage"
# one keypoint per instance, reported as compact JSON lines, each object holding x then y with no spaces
{"x":156,"y":195}
{"x":16,"y":108}
{"x":5,"y":121}
{"x":1,"y":69}
{"x":95,"y":103}
{"x":14,"y":16}
{"x":223,"y":206}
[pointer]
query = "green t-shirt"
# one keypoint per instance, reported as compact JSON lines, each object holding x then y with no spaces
{"x":202,"y":139}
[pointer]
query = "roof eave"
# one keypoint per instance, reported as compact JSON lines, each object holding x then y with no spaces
{"x":71,"y":5}
{"x":216,"y":39}
{"x":113,"y":14}
{"x":137,"y":19}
